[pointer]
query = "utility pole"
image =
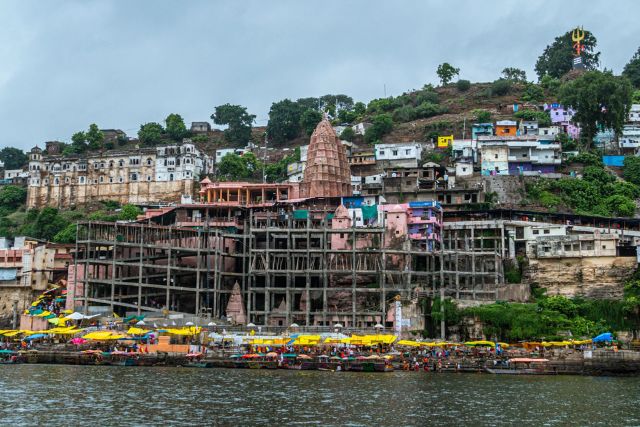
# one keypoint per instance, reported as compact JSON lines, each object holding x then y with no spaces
{"x":264,"y":160}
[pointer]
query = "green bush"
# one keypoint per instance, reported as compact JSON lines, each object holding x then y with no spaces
{"x":501,"y":87}
{"x":463,"y":85}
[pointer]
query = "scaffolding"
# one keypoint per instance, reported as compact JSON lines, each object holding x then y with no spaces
{"x":287,"y":269}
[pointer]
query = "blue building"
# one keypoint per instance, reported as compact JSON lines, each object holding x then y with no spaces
{"x":481,"y":129}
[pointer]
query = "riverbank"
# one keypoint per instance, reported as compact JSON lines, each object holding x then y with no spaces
{"x":594,"y":362}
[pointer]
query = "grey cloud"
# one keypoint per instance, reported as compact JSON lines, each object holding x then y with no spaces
{"x":66,"y":64}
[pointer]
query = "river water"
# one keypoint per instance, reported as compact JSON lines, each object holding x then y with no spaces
{"x":59,"y":395}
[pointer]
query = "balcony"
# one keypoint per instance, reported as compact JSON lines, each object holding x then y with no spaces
{"x":422,"y":220}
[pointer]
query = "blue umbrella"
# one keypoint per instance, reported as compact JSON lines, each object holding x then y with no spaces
{"x":34,"y":337}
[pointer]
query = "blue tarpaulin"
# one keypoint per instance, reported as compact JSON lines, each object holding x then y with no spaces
{"x":607,"y":336}
{"x":613,"y":161}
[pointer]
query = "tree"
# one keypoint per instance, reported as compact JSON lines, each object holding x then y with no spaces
{"x":309,"y":120}
{"x":380,"y":126}
{"x":501,"y":87}
{"x":79,"y":142}
{"x":482,"y":116}
{"x":129,"y":213}
{"x":175,"y":127}
{"x":600,"y":99}
{"x":557,"y":58}
{"x":150,"y":133}
{"x":348,"y":134}
{"x":463,"y":85}
{"x":94,"y":137}
{"x":238,"y":122}
{"x":13,"y":158}
{"x":632,"y":70}
{"x":631,"y":170}
{"x":232,"y":168}
{"x":533,"y":93}
{"x":67,"y":234}
{"x":44,"y":224}
{"x":514,"y":74}
{"x":12,"y":196}
{"x":446,"y":72}
{"x":284,"y":121}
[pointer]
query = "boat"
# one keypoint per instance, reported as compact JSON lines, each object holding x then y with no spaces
{"x":9,"y":357}
{"x":521,"y":366}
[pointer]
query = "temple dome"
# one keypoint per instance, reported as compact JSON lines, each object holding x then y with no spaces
{"x":327,"y":173}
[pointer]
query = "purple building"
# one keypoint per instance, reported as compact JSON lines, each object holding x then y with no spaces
{"x":562,"y":117}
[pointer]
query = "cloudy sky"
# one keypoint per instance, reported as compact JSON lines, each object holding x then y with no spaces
{"x":66,"y":64}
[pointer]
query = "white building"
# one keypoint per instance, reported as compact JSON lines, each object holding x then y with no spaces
{"x":550,"y":131}
{"x":630,"y":138}
{"x":466,"y":149}
{"x":464,"y":168}
{"x":15,"y":173}
{"x":634,"y":113}
{"x":400,"y":155}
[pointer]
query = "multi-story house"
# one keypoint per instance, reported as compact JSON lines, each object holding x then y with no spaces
{"x":140,"y":176}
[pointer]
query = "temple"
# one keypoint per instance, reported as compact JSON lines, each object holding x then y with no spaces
{"x":328,"y":173}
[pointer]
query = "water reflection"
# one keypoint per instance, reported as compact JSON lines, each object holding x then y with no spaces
{"x":102,"y":395}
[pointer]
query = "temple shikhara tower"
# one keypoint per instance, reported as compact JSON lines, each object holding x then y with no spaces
{"x":327,"y":173}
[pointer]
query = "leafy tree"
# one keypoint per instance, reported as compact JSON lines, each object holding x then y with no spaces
{"x":13,"y":158}
{"x":557,"y":58}
{"x":533,"y":93}
{"x":380,"y":126}
{"x":635,"y":97}
{"x":463,"y":85}
{"x":631,"y":170}
{"x":514,"y":74}
{"x":44,"y":224}
{"x":501,"y":87}
{"x":619,"y":205}
{"x":239,"y":122}
{"x":176,"y":128}
{"x":95,"y":137}
{"x":541,"y":117}
{"x":551,"y":84}
{"x":446,"y":72}
{"x":309,"y":103}
{"x":632,"y":70}
{"x":359,"y":108}
{"x":482,"y":116}
{"x":600,"y":99}
{"x":309,"y":120}
{"x":67,"y":234}
{"x":232,"y":168}
{"x":348,"y":134}
{"x":79,"y":142}
{"x":12,"y":196}
{"x":129,"y":213}
{"x":150,"y":133}
{"x":284,"y":121}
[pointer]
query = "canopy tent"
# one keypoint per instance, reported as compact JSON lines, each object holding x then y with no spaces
{"x":103,"y":336}
{"x":79,"y":316}
{"x":137,"y":331}
{"x":606,"y":337}
{"x":34,"y":337}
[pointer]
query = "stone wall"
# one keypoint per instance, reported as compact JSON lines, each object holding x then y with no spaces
{"x":591,"y":277}
{"x":509,"y":189}
{"x":67,"y":195}
{"x":24,"y":296}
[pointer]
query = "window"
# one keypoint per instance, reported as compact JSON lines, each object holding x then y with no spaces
{"x":495,"y":156}
{"x":395,"y":152}
{"x":110,"y":179}
{"x":134,"y":177}
{"x":120,"y":163}
{"x":382,"y":152}
{"x":342,"y":235}
{"x":536,"y":231}
{"x":546,"y":231}
{"x":408,"y":151}
{"x":120,"y":179}
{"x":82,"y":180}
{"x":149,"y":161}
{"x":101,"y":179}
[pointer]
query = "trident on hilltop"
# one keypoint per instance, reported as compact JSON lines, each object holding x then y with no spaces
{"x":577,"y":35}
